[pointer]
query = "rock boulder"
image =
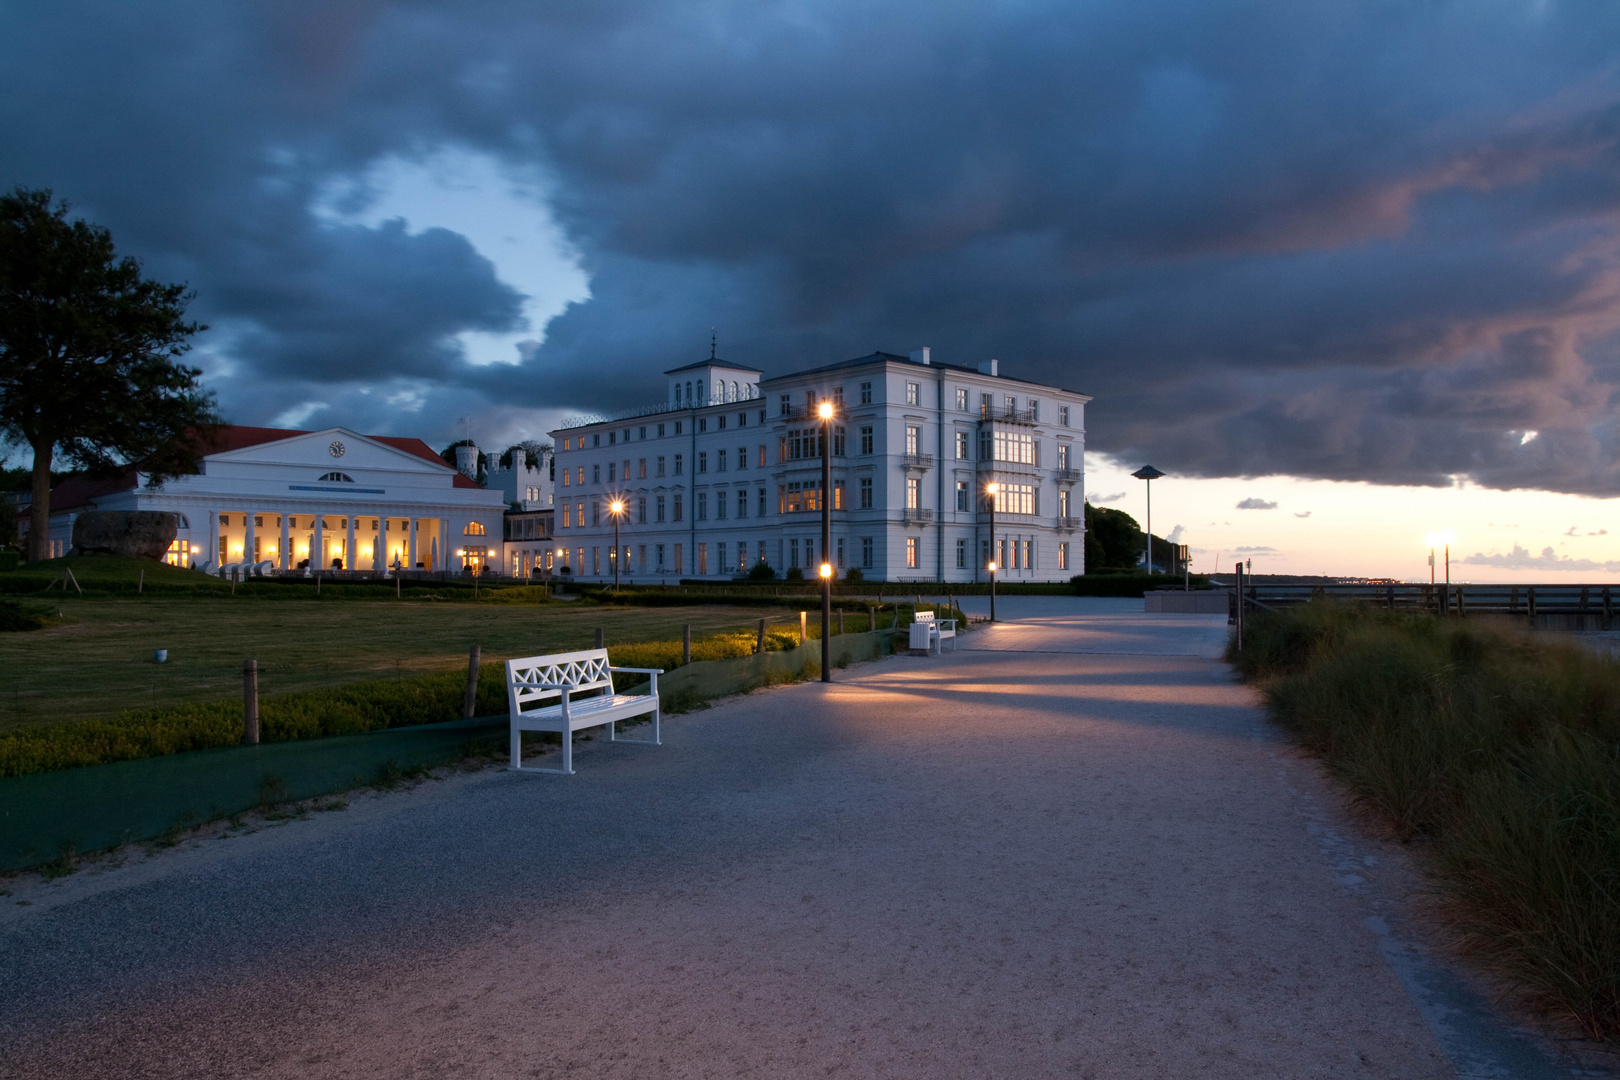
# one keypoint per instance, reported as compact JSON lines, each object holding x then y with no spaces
{"x":139,"y":534}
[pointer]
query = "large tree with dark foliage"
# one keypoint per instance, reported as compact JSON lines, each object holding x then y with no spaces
{"x":88,"y":351}
{"x":1113,"y":539}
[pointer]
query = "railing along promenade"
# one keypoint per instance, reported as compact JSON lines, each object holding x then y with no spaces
{"x":1567,"y":607}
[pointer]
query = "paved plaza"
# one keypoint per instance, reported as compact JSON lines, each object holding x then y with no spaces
{"x":1074,"y":847}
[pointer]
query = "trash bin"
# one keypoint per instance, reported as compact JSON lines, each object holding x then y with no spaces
{"x":921,"y":636}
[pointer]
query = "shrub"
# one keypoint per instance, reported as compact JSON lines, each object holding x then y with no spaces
{"x":15,"y":616}
{"x":854,"y":576}
{"x":762,"y":571}
{"x":793,"y":574}
{"x":1501,"y":751}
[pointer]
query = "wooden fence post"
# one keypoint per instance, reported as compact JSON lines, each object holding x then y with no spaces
{"x":804,"y":618}
{"x":598,"y":637}
{"x":250,"y":702}
{"x":474,"y":656}
{"x":759,"y":640}
{"x":686,"y":644}
{"x":840,"y":622}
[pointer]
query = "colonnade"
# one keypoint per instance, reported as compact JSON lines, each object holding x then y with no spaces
{"x":377,"y":541}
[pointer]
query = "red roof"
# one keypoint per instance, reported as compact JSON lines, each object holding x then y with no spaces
{"x":80,"y":490}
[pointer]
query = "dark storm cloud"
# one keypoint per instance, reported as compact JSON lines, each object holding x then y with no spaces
{"x":1355,"y":240}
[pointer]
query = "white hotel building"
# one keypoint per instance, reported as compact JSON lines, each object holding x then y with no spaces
{"x":727,"y":473}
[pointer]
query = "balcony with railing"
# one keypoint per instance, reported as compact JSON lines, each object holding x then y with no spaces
{"x":991,"y":414}
{"x":916,"y":515}
{"x":917,"y":461}
{"x":1067,"y":476}
{"x":1068,"y":524}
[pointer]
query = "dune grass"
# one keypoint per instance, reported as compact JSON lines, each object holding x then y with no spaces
{"x":1499,"y":751}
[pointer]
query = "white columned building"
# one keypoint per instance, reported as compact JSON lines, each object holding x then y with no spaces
{"x":332,"y":499}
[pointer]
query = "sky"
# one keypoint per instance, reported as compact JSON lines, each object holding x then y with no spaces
{"x":1357,"y":259}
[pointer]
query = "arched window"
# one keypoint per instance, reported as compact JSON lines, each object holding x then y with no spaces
{"x":688,"y":395}
{"x":733,"y":391}
{"x":337,"y":477}
{"x":719,"y":389}
{"x":473,"y":529}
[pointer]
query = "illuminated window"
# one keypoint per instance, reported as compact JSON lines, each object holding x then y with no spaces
{"x":911,"y":553}
{"x":474,"y":529}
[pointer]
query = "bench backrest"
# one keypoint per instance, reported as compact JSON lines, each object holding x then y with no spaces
{"x":581,"y":671}
{"x":924,"y":616}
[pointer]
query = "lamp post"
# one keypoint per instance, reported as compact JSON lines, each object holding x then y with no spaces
{"x":1149,"y":474}
{"x":616,"y":508}
{"x":826,"y":412}
{"x":1441,"y":539}
{"x":990,"y":489}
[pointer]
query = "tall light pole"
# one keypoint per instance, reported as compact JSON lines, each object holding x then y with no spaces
{"x":1149,"y":474}
{"x":826,"y":411}
{"x":990,"y":489}
{"x":1441,"y":539}
{"x":616,"y":508}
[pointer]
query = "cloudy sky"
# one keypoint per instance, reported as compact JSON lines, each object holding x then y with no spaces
{"x":1349,"y":258}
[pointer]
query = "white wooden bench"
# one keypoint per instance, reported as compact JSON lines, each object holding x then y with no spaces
{"x":937,"y":631}
{"x":533,"y":679}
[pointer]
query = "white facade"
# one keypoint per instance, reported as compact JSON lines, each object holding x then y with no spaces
{"x":529,"y":488}
{"x":331,"y":499}
{"x":712,"y":488}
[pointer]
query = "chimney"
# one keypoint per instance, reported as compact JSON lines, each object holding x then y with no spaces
{"x":920,"y":356}
{"x":467,"y":461}
{"x":989,"y":367}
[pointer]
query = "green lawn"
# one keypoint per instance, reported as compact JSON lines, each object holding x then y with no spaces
{"x":99,"y":661}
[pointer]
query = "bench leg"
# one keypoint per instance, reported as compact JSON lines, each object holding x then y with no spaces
{"x":654,"y":741}
{"x":613,"y":731}
{"x":517,"y":748}
{"x":568,"y":752}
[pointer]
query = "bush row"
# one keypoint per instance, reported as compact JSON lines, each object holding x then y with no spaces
{"x":1500,"y":751}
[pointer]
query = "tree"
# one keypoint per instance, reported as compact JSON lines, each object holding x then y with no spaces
{"x":88,"y":351}
{"x":1113,"y":539}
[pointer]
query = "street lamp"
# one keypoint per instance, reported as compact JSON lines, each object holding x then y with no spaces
{"x":990,"y":489}
{"x":1441,"y":539}
{"x":826,"y":413}
{"x":1149,"y":474}
{"x":616,"y":508}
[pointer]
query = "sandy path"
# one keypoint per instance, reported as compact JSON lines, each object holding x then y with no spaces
{"x":1058,"y":852}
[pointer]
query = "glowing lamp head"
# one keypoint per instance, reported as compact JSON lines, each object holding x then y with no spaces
{"x":992,"y":566}
{"x":617,"y":506}
{"x":992,"y":487}
{"x":826,"y":570}
{"x":825,"y":410}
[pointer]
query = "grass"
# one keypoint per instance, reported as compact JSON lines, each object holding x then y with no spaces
{"x":1499,"y":752}
{"x":96,"y":661}
{"x":341,"y":709}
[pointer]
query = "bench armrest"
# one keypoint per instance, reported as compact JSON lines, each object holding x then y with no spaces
{"x":640,"y":670}
{"x":544,"y":686}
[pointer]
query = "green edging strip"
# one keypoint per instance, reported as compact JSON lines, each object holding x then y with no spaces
{"x":44,"y":816}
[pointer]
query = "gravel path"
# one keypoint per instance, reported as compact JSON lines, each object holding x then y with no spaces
{"x":1072,"y":848}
